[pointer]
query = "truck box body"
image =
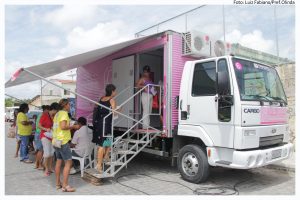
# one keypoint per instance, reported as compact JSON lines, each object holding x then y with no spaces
{"x":93,"y":77}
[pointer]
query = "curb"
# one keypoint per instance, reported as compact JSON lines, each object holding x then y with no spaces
{"x":281,"y":168}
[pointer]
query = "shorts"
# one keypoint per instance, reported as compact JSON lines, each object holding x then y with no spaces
{"x":37,"y":142}
{"x":47,"y":147}
{"x":106,"y":142}
{"x":64,"y":152}
{"x":38,"y":145}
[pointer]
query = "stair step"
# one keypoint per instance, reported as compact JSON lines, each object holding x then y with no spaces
{"x":123,"y":151}
{"x":134,"y":141}
{"x":150,"y":131}
{"x":114,"y":163}
{"x":92,"y":172}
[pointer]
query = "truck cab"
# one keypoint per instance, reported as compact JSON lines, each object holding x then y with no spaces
{"x":234,"y":110}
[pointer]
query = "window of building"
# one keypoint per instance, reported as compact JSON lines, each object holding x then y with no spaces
{"x":66,"y":92}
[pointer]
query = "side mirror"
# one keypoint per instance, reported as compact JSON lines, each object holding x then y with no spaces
{"x":223,"y":83}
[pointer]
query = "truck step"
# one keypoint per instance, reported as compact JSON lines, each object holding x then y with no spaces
{"x":223,"y":162}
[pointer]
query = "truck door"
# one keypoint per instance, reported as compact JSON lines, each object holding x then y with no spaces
{"x":209,"y":104}
{"x":122,"y":78}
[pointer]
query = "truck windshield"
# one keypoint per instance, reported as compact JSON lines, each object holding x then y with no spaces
{"x":258,"y":82}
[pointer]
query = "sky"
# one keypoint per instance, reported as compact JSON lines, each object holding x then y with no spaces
{"x":39,"y":34}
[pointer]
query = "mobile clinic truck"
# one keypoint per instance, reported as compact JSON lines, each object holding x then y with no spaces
{"x":216,"y":109}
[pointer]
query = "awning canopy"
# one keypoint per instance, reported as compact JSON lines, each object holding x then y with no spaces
{"x":58,"y":66}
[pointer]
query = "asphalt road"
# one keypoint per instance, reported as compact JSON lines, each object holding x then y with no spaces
{"x":150,"y":175}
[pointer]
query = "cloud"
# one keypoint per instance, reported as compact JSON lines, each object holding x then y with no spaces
{"x":254,"y":40}
{"x":52,"y":41}
{"x":101,"y":35}
{"x":68,"y":16}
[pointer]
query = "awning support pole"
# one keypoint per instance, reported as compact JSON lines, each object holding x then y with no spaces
{"x":41,"y":92}
{"x":90,"y":100}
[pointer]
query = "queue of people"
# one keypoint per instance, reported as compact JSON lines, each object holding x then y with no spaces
{"x":52,"y":133}
{"x":49,"y":128}
{"x":53,"y":141}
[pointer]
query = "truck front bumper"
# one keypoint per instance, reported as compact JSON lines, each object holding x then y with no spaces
{"x":232,"y":158}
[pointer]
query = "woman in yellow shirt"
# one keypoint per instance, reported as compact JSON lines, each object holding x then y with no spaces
{"x":24,"y":131}
{"x":61,"y":138}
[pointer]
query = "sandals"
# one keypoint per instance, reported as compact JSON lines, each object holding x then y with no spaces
{"x":99,"y":168}
{"x":58,"y":187}
{"x":27,"y":161}
{"x":47,"y":174}
{"x":68,"y":189}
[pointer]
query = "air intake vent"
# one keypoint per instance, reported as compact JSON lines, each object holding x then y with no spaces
{"x":270,"y":140}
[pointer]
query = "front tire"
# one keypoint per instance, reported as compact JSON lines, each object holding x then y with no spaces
{"x":193,"y":164}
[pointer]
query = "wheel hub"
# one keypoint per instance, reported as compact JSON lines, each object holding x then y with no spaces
{"x":190,"y":164}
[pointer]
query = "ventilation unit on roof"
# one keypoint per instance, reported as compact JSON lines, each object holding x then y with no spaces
{"x":196,"y":44}
{"x":220,"y":48}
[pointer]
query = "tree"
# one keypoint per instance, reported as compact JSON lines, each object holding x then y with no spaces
{"x":9,"y":102}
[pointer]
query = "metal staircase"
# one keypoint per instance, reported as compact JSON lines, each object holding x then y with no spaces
{"x":125,"y":147}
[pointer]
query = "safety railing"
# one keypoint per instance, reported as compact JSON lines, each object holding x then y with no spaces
{"x":148,"y":86}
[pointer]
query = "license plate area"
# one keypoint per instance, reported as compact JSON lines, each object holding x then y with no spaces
{"x":276,"y":153}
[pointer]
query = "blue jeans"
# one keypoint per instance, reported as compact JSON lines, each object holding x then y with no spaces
{"x":24,"y":147}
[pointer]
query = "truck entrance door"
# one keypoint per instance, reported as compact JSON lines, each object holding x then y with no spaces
{"x":206,"y":107}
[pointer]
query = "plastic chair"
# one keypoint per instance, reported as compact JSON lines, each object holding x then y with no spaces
{"x":87,"y":155}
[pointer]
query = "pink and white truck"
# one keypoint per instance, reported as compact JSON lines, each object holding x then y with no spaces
{"x":217,"y":109}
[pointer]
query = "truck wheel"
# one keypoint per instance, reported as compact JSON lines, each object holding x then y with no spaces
{"x":193,"y":164}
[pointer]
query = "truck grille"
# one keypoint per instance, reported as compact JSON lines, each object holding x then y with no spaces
{"x":270,"y":140}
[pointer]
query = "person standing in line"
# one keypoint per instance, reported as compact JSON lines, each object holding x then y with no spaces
{"x":24,"y":131}
{"x":16,"y":111}
{"x":147,"y":97}
{"x":61,"y":138}
{"x":37,"y":140}
{"x":45,"y":124}
{"x":104,"y":143}
{"x":31,"y":137}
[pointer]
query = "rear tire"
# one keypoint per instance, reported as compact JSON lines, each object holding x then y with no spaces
{"x":193,"y":164}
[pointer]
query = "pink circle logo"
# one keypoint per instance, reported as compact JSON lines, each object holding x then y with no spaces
{"x":239,"y":66}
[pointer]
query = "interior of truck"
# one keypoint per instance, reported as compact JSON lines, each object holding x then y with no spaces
{"x":154,"y":59}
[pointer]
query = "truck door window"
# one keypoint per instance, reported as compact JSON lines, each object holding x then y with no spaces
{"x":224,"y":106}
{"x":204,"y":79}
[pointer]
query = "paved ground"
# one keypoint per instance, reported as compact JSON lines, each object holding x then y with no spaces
{"x":160,"y":179}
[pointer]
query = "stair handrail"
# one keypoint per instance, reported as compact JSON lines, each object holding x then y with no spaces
{"x":138,"y":92}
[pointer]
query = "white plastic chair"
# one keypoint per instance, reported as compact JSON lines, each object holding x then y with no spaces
{"x":87,"y":155}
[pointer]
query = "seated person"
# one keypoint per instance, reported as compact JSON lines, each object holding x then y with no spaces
{"x":81,"y":141}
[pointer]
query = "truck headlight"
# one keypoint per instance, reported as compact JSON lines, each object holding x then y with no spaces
{"x":249,"y":133}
